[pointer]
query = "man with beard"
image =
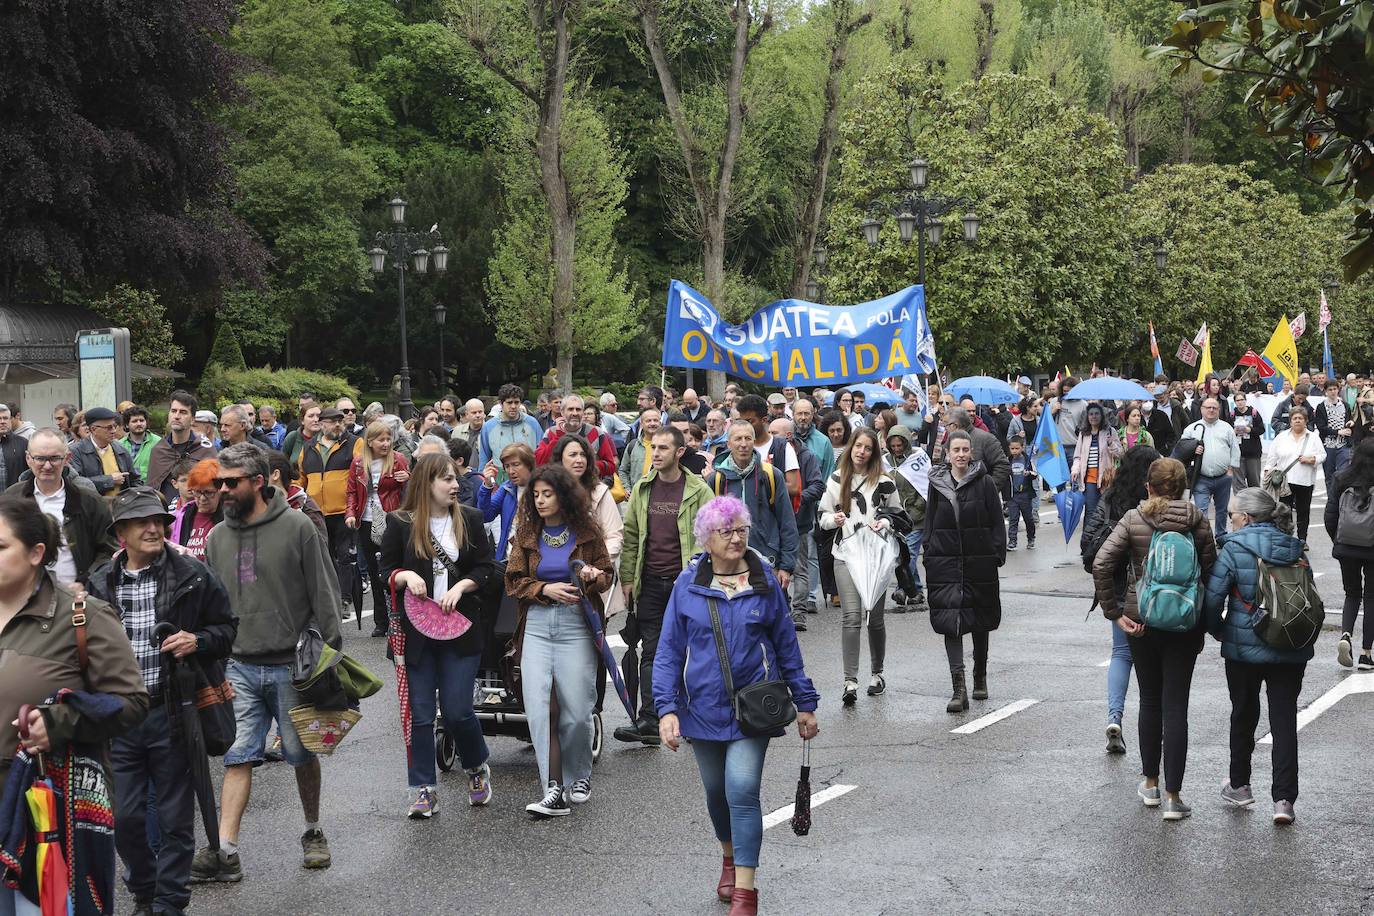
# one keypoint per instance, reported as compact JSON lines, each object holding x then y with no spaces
{"x":181,"y":441}
{"x":281,"y":582}
{"x":571,"y":423}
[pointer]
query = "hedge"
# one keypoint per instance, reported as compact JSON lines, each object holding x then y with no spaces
{"x":279,"y":388}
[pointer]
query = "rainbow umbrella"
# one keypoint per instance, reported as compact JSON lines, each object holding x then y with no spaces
{"x":45,"y":808}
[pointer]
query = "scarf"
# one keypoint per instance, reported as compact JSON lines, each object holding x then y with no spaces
{"x":729,"y":464}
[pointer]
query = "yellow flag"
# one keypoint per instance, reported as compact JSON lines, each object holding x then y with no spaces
{"x":1204,"y":368}
{"x":1282,"y":351}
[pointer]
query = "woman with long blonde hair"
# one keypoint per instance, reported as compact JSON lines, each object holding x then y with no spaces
{"x":376,"y":481}
{"x":853,"y":495}
{"x":435,"y":547}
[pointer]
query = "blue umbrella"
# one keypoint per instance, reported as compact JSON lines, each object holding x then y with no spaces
{"x":1107,"y":388}
{"x":984,"y":389}
{"x":1070,"y":503}
{"x":874,"y":393}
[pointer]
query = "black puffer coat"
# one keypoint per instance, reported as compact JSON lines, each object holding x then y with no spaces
{"x":965,"y":544}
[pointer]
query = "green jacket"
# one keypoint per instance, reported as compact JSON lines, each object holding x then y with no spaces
{"x":695,"y":494}
{"x":141,"y":453}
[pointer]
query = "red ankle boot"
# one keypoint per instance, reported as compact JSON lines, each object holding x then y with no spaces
{"x":743,"y":902}
{"x":727,"y":879}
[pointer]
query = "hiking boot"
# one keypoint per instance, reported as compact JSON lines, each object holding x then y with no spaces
{"x":1150,"y":796}
{"x":316,"y":849}
{"x":143,"y":908}
{"x":642,"y":731}
{"x":580,"y":791}
{"x":1345,"y":654}
{"x":917,"y":603}
{"x":834,"y":600}
{"x":1240,"y":797}
{"x":1116,"y":744}
{"x":1366,"y":662}
{"x":959,"y":701}
{"x":876,"y":685}
{"x":1030,"y":543}
{"x":1175,"y":809}
{"x":799,"y":622}
{"x":213,"y":865}
{"x":980,"y":685}
{"x":851,"y":692}
{"x":1283,"y":813}
{"x":423,"y":806}
{"x":553,"y":804}
{"x":479,"y":786}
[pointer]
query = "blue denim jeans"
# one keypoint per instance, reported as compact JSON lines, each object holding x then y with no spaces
{"x":1092,"y":495}
{"x":559,"y":656}
{"x":913,"y":545}
{"x":1118,"y":674}
{"x":439,"y":671}
{"x":263,"y":693}
{"x":731,"y":772}
{"x":1336,"y":460}
{"x":1213,"y":489}
{"x":1022,"y":507}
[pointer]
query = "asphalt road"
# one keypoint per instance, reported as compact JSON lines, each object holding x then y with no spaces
{"x":1025,"y":815}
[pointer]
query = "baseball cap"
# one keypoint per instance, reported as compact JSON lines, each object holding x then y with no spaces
{"x":206,"y":416}
{"x":331,"y":413}
{"x":776,"y":398}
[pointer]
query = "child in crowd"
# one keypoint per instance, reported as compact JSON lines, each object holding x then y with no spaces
{"x":181,"y":473}
{"x":1023,"y":504}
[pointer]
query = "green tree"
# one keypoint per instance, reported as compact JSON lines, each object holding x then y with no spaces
{"x":225,"y":351}
{"x":150,"y":333}
{"x":604,"y":310}
{"x":1046,"y":177}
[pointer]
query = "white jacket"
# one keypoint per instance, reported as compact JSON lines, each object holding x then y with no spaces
{"x":864,"y":503}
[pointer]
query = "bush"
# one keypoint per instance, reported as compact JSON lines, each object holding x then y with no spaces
{"x":278,"y":388}
{"x":225,"y":351}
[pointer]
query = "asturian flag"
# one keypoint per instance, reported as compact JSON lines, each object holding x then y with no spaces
{"x":1050,"y":462}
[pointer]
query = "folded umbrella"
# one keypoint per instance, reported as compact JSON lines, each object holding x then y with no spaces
{"x":396,"y":640}
{"x":44,"y":803}
{"x":1070,"y":504}
{"x":801,"y":808}
{"x":871,"y":558}
{"x":594,"y":623}
{"x":181,"y":701}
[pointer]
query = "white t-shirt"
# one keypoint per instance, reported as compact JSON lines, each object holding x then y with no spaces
{"x":1285,"y":449}
{"x":765,"y":451}
{"x":373,"y":498}
{"x":52,"y":506}
{"x":441,"y":528}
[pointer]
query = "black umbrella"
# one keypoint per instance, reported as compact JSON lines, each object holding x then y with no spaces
{"x":801,"y":809}
{"x":629,"y":661}
{"x":181,"y":700}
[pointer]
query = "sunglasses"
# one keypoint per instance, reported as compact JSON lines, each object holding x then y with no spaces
{"x":349,"y":409}
{"x":230,"y":482}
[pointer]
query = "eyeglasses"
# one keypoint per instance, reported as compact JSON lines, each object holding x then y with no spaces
{"x":103,"y":427}
{"x":206,"y":494}
{"x":230,"y":482}
{"x":41,"y":460}
{"x":734,"y":534}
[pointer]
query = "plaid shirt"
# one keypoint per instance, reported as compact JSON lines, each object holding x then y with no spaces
{"x":136,"y":596}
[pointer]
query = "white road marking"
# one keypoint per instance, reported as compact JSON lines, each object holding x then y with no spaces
{"x":1106,"y":664}
{"x":1354,"y":683}
{"x":784,"y":814}
{"x":993,"y":718}
{"x":615,"y":642}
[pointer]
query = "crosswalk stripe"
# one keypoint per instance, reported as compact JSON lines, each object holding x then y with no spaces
{"x":993,"y":718}
{"x":817,"y":799}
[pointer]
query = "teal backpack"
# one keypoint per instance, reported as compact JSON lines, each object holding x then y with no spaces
{"x":1169,"y":595}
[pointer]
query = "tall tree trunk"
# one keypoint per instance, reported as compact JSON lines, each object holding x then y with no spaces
{"x":712,"y":201}
{"x":987,"y":38}
{"x":810,"y":225}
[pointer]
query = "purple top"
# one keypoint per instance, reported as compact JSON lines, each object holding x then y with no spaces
{"x":555,"y":562}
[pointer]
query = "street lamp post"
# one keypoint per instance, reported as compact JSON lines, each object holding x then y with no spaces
{"x":407,"y":252}
{"x":918,"y":215}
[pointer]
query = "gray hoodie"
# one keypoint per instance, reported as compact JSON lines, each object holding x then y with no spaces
{"x":280,"y":581}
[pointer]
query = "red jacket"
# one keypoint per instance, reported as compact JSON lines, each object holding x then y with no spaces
{"x":389,"y":489}
{"x":605,"y":450}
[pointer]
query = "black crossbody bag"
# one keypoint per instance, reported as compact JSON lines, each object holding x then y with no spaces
{"x":761,"y":708}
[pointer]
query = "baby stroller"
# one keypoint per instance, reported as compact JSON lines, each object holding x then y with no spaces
{"x":499,"y":709}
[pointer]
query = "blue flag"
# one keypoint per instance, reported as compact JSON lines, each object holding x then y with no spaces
{"x":1049,"y":453}
{"x":1328,"y":367}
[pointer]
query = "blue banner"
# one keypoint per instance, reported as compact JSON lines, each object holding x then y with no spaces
{"x":794,"y":342}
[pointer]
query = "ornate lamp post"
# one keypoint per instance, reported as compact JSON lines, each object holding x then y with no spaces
{"x":918,"y":215}
{"x":441,"y":313}
{"x":407,"y":252}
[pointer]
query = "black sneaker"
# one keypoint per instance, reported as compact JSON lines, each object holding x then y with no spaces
{"x":799,"y":622}
{"x":1030,"y":543}
{"x":851,"y":693}
{"x":213,"y":865}
{"x":143,"y":908}
{"x":877,"y":685}
{"x":553,"y":804}
{"x":1366,"y":662}
{"x":899,"y":602}
{"x":918,"y":604}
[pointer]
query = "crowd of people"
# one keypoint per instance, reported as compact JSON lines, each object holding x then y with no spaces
{"x":705,"y":533}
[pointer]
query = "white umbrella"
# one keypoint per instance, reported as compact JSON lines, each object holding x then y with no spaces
{"x":871,"y":558}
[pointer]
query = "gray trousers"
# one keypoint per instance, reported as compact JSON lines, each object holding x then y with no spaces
{"x":851,"y":621}
{"x":806,"y":575}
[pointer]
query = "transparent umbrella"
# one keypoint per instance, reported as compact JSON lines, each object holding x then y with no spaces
{"x":871,"y":557}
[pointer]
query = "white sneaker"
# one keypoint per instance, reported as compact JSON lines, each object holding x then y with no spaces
{"x":1345,"y":654}
{"x":580,"y":791}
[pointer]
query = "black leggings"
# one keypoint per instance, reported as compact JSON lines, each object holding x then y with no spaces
{"x":381,"y":599}
{"x":1352,"y":572}
{"x":1301,"y":503}
{"x":1164,"y":674}
{"x":954,"y":649}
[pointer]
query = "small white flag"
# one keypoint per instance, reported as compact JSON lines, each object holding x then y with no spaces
{"x":1298,"y":325}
